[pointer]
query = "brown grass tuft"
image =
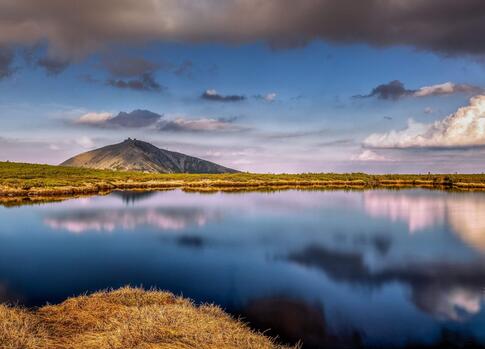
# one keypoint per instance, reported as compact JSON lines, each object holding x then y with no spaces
{"x":126,"y":318}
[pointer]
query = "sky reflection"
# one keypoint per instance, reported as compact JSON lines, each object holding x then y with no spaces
{"x":380,"y":267}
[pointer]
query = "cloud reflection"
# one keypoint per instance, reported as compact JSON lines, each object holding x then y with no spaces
{"x":109,"y":220}
{"x":463,"y":212}
{"x":442,"y":289}
{"x":418,"y":211}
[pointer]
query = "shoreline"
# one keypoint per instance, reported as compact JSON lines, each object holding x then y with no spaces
{"x":19,"y":181}
{"x":232,"y":186}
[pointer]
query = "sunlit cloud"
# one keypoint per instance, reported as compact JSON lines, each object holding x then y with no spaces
{"x":464,"y":128}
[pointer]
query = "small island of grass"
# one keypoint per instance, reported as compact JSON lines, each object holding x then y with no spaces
{"x":126,"y":318}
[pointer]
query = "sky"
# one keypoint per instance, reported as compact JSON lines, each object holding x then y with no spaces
{"x":257,"y":85}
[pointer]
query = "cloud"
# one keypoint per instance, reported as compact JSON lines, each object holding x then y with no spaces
{"x":270,"y":97}
{"x":135,"y":119}
{"x":85,"y":142}
{"x":213,"y":95}
{"x":446,"y":89}
{"x":146,"y":82}
{"x":127,"y":67}
{"x":53,"y":66}
{"x":395,"y":90}
{"x":94,"y":118}
{"x":464,"y":128}
{"x":6,"y":62}
{"x":92,"y":25}
{"x":391,"y":91}
{"x":369,"y":155}
{"x":135,"y":73}
{"x":200,"y":125}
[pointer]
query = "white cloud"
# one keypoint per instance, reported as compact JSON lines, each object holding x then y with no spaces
{"x":85,"y":142}
{"x":270,"y":97}
{"x":211,"y":92}
{"x":465,"y":127}
{"x":446,"y":89}
{"x":369,"y":155}
{"x":94,"y":118}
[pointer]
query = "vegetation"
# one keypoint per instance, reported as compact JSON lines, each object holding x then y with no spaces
{"x":17,"y":179}
{"x":126,"y":318}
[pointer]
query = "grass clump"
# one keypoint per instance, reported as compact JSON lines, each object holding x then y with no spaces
{"x":126,"y":318}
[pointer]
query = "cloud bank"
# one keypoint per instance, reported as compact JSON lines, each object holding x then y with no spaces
{"x":395,"y":90}
{"x":81,"y":27}
{"x":147,"y":119}
{"x":200,"y":125}
{"x":135,"y":119}
{"x":464,"y":128}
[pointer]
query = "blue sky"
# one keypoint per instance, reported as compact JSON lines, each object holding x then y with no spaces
{"x":296,"y":108}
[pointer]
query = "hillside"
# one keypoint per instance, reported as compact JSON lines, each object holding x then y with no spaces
{"x":135,"y":155}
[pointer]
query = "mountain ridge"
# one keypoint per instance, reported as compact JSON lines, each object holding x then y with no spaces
{"x":136,"y":155}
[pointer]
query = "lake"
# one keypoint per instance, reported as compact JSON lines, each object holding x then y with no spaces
{"x":354,"y":268}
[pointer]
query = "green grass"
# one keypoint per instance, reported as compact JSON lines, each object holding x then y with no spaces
{"x":17,"y":179}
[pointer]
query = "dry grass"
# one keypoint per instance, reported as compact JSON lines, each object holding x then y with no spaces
{"x":126,"y":318}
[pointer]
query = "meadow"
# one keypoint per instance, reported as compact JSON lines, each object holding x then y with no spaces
{"x":21,"y":179}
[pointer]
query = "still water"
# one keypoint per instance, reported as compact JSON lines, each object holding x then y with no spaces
{"x":359,"y":268}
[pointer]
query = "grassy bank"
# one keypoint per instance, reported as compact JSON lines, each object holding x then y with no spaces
{"x":17,"y":180}
{"x":126,"y":318}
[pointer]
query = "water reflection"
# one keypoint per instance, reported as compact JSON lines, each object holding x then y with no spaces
{"x":110,"y":219}
{"x":422,"y":210}
{"x":383,"y":268}
{"x":448,"y":291}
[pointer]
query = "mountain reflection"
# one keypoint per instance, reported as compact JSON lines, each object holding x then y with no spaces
{"x":132,"y":197}
{"x":445,"y":290}
{"x":109,"y":220}
{"x":291,"y":319}
{"x":421,"y":210}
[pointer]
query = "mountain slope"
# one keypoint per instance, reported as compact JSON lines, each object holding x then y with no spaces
{"x":135,"y":155}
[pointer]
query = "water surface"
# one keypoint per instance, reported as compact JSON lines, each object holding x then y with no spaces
{"x":359,"y":268}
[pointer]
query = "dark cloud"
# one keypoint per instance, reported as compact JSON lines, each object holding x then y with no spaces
{"x":135,"y":73}
{"x":53,"y":66}
{"x":6,"y":62}
{"x":146,"y":82}
{"x":128,"y":67}
{"x":391,"y":91}
{"x":201,"y":125}
{"x":213,"y":95}
{"x":395,"y":90}
{"x":444,"y":26}
{"x":136,"y":119}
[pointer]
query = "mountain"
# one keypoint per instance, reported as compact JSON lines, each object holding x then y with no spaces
{"x":135,"y":155}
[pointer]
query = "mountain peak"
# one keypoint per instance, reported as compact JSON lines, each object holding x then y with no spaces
{"x":136,"y":155}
